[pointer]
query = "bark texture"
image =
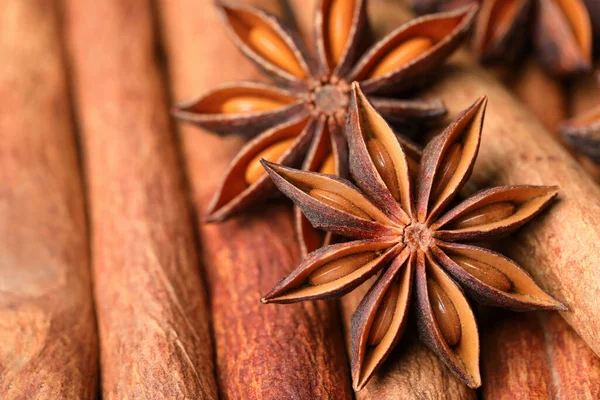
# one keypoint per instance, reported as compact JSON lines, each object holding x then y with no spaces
{"x":48,"y":340}
{"x":151,"y":304}
{"x":263,"y":351}
{"x":536,"y":356}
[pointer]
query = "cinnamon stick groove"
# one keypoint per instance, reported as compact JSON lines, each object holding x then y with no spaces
{"x":151,"y":305}
{"x":262,"y":351}
{"x":48,"y":340}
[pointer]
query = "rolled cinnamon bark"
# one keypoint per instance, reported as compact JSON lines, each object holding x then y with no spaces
{"x":545,"y":96}
{"x":48,"y":340}
{"x":151,"y":305}
{"x":263,"y":351}
{"x":536,"y":356}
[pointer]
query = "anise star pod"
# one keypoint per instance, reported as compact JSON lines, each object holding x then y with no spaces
{"x":560,"y":31}
{"x":300,"y":121}
{"x":407,"y":232}
{"x":582,"y":132}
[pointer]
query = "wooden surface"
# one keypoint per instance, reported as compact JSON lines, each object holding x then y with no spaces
{"x":153,"y":317}
{"x":48,"y":341}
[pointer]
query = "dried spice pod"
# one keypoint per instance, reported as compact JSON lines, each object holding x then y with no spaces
{"x":416,"y":249}
{"x":48,"y":337}
{"x":318,"y":89}
{"x":560,"y":31}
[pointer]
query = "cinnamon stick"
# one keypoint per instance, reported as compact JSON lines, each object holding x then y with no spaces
{"x":151,"y":305}
{"x":263,"y":351}
{"x":48,"y":341}
{"x":545,"y":96}
{"x":536,"y":356}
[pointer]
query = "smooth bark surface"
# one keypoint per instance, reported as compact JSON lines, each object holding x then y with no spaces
{"x":48,"y":340}
{"x":151,"y":305}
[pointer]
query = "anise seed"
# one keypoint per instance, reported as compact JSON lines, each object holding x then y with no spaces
{"x":255,"y":170}
{"x":449,"y":165}
{"x":486,"y":214}
{"x":338,"y":202}
{"x":269,"y":45}
{"x":401,"y":55}
{"x":384,"y":165}
{"x":336,"y":269}
{"x":249,"y":104}
{"x":485,"y":273}
{"x":385,"y":315}
{"x":328,"y":166}
{"x":444,"y":313}
{"x":340,"y":22}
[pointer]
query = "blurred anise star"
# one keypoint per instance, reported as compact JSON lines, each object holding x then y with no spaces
{"x":406,"y":235}
{"x":304,"y":115}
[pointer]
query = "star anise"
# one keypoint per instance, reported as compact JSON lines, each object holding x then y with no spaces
{"x":304,"y":115}
{"x":582,"y":132}
{"x":559,"y":31}
{"x":405,"y":235}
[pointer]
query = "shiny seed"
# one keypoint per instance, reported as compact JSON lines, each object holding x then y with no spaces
{"x":336,"y":269}
{"x":444,"y":313}
{"x":273,"y":48}
{"x":484,"y":215}
{"x":485,"y":273}
{"x":384,"y":165}
{"x":447,"y":169}
{"x":255,"y":170}
{"x":340,"y":21}
{"x":385,"y":315}
{"x":338,"y":202}
{"x":401,"y":55}
{"x":249,"y":104}
{"x":328,"y":166}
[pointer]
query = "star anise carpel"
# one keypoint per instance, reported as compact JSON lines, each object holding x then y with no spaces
{"x":558,"y":32}
{"x":299,"y":121}
{"x":582,"y":132}
{"x":407,"y":228}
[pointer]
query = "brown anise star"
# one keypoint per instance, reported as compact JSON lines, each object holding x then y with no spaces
{"x":304,"y":115}
{"x":406,"y":237}
{"x":560,"y":31}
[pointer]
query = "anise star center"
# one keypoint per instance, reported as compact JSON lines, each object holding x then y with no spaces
{"x":417,"y":236}
{"x":331,"y":97}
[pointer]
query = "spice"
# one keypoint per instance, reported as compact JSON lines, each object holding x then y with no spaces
{"x":559,"y":31}
{"x":152,"y":313}
{"x":536,"y":356}
{"x":304,"y":116}
{"x":261,"y":352}
{"x":49,"y":344}
{"x":414,"y":242}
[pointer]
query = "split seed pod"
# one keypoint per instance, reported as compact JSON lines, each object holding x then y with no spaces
{"x":560,"y":31}
{"x":405,"y":235}
{"x":300,"y":122}
{"x":583,"y":133}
